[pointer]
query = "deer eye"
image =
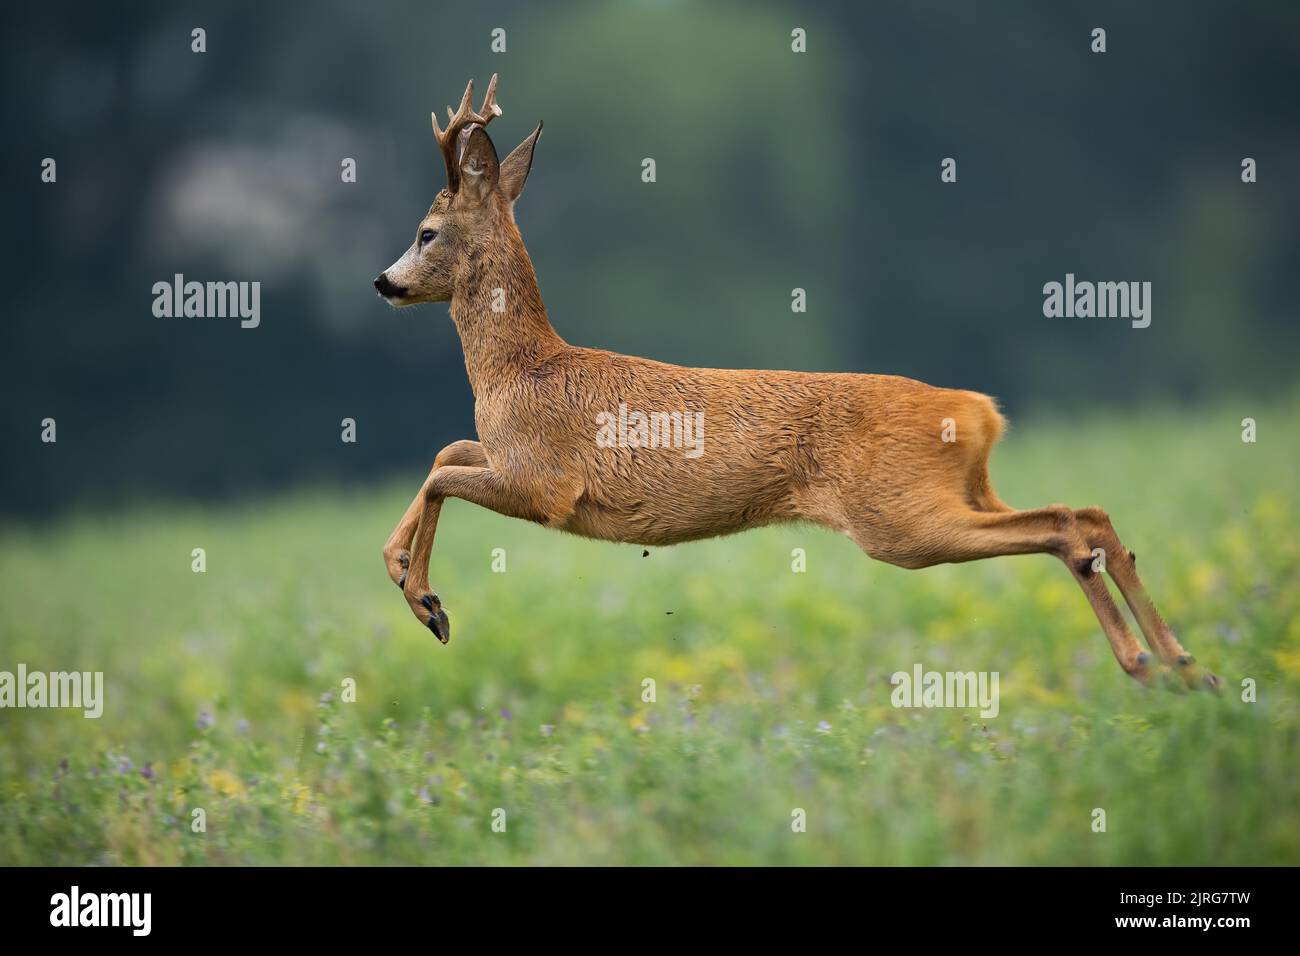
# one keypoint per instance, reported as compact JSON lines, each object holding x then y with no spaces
{"x":427,"y":236}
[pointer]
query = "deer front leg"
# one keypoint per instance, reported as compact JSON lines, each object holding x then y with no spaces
{"x":397,"y":552}
{"x":485,"y":487}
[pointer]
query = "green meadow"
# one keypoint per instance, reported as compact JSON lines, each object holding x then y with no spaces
{"x":529,"y":738}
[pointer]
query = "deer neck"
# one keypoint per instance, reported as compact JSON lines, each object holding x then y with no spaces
{"x":499,"y":315}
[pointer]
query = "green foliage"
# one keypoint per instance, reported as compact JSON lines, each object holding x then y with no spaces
{"x":772,"y":686}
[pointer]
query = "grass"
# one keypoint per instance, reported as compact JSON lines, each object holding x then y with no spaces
{"x":225,"y":689}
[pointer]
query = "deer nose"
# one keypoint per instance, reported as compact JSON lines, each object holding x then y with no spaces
{"x":386,"y":287}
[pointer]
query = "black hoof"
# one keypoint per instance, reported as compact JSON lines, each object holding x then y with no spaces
{"x":440,"y":625}
{"x":1186,"y":659}
{"x":401,"y":582}
{"x":1144,"y":659}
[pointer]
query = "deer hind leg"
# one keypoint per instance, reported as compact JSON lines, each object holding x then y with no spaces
{"x":1121,"y":564}
{"x":963,"y":534}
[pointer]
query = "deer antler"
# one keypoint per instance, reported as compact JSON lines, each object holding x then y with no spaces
{"x":456,"y":123}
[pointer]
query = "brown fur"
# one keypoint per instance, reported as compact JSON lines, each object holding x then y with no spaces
{"x":861,"y":454}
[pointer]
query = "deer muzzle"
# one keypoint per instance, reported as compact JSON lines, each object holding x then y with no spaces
{"x":387,"y":288}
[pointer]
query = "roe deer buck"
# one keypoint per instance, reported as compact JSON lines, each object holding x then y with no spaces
{"x":861,"y":454}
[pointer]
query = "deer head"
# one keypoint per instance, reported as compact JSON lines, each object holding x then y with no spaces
{"x":474,"y":214}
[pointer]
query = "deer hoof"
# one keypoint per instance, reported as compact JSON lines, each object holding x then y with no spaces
{"x":440,"y":625}
{"x":1196,"y":677}
{"x":401,"y":582}
{"x":438,"y":621}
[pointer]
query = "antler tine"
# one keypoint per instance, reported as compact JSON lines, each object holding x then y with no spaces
{"x":457,"y":121}
{"x":462,"y":111}
{"x":466,"y":102}
{"x":490,"y":108}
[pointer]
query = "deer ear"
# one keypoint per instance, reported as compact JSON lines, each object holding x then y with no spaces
{"x":479,"y":168}
{"x":514,"y":171}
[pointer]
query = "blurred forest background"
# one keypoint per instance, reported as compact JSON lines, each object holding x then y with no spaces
{"x":775,"y":170}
